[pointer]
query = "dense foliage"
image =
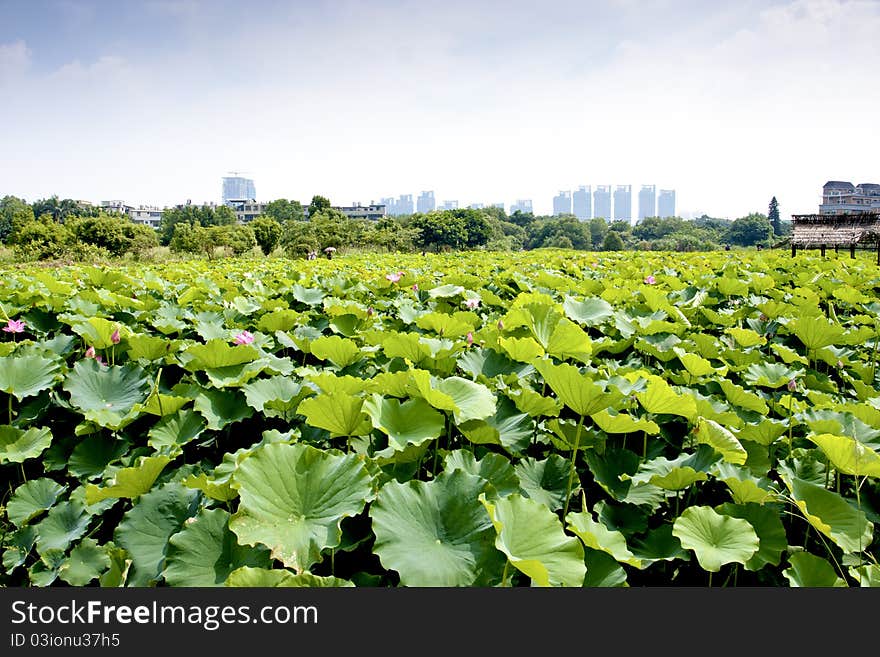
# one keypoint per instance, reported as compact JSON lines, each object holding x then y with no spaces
{"x":553,"y":418}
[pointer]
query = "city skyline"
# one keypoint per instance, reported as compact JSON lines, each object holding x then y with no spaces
{"x":149,"y":101}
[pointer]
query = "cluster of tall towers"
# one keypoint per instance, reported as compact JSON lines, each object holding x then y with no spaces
{"x":587,"y":203}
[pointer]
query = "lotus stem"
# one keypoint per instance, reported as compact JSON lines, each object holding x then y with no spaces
{"x":504,"y":575}
{"x":577,"y":444}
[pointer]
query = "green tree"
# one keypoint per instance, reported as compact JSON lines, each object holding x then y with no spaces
{"x":38,"y":240}
{"x":612,"y":241}
{"x":222,"y":216}
{"x":282,"y":210}
{"x":14,"y":214}
{"x":750,"y":230}
{"x":439,"y":230}
{"x":319,"y":204}
{"x":598,"y":230}
{"x":773,"y":217}
{"x":548,"y":231}
{"x":267,"y":232}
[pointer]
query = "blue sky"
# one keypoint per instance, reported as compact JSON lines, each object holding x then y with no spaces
{"x":153,"y":102}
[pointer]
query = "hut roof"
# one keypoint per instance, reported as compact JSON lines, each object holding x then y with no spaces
{"x":814,"y":230}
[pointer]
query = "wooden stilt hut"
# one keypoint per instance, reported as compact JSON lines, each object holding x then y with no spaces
{"x":850,"y":230}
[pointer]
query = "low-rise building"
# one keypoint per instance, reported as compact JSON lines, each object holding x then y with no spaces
{"x":841,"y":197}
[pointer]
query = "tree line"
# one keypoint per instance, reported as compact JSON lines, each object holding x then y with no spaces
{"x":61,"y":228}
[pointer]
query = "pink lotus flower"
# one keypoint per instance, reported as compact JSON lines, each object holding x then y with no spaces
{"x":395,"y":276}
{"x":792,"y":385}
{"x":370,"y":311}
{"x":14,"y":326}
{"x":115,"y":337}
{"x":90,"y":352}
{"x":650,"y":280}
{"x":469,"y":338}
{"x":415,"y":287}
{"x":500,"y":325}
{"x":245,"y":337}
{"x":472,"y":303}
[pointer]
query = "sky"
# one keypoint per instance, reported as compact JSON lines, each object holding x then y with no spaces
{"x":483,"y":101}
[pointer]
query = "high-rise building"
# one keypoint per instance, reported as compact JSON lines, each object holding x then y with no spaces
{"x":523,"y":205}
{"x":647,"y":201}
{"x":602,"y":202}
{"x":666,"y":203}
{"x":562,"y":203}
{"x":449,"y":205}
{"x":238,"y":189}
{"x":390,"y":206}
{"x":581,"y":203}
{"x":623,"y":203}
{"x":405,"y":204}
{"x":425,"y":202}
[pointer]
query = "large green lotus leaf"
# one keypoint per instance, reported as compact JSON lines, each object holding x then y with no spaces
{"x":763,"y":433}
{"x":94,"y":453}
{"x":98,"y":332}
{"x":815,"y":331}
{"x":721,"y":439}
{"x":146,"y":528}
{"x":523,"y":350}
{"x":205,"y":552}
{"x":248,"y":577}
{"x":576,"y":390}
{"x":769,"y":375}
{"x":669,"y":475}
{"x":106,"y":394}
{"x":390,"y":384}
{"x":830,"y":513}
{"x":171,"y":433}
{"x":569,"y":340}
{"x":697,"y":365}
{"x":809,"y":571}
{"x":443,"y":325}
{"x":768,"y":526}
{"x":659,"y":398}
{"x":162,"y":405}
{"x":603,"y":571}
{"x":342,"y":352}
{"x":280,"y":319}
{"x":293,"y":499}
{"x":436,"y":533}
{"x":659,"y":544}
{"x":743,"y":398}
{"x":494,"y":468}
{"x":45,"y":571}
{"x":308,"y":295}
{"x":329,"y":382}
{"x":18,"y":546}
{"x":473,"y":401}
{"x":597,"y":536}
{"x":507,"y":427}
{"x":222,"y":407}
{"x":544,"y":481}
{"x":407,"y":346}
{"x":412,"y":422}
{"x":220,"y":490}
{"x":716,"y":539}
{"x":275,"y":396}
{"x":744,"y":488}
{"x":623,"y":423}
{"x":591,"y":311}
{"x":339,"y":413}
{"x":848,"y":455}
{"x":86,"y":562}
{"x":62,"y":525}
{"x":27,"y":375}
{"x":788,"y":355}
{"x":150,"y":347}
{"x":488,"y":363}
{"x":129,"y":482}
{"x":865,"y":429}
{"x":746,"y":337}
{"x":217,"y":354}
{"x":867,"y":576}
{"x":32,"y":498}
{"x":533,"y":403}
{"x":17,"y":445}
{"x":535,"y":542}
{"x":445,"y":291}
{"x":607,"y":470}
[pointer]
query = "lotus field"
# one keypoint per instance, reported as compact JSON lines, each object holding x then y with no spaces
{"x":546,"y":418}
